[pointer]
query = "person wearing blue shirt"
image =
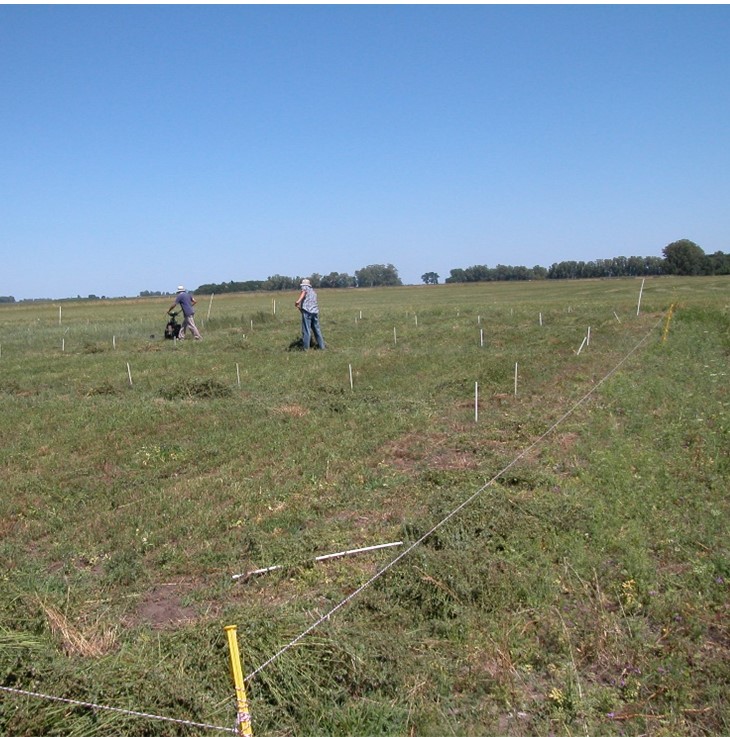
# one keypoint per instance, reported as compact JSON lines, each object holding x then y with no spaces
{"x":186,"y":302}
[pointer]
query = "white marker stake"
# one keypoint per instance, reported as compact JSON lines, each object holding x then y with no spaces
{"x":479,"y":319}
{"x":129,"y":374}
{"x":395,"y":337}
{"x":352,"y":386}
{"x":476,"y":401}
{"x":273,"y":306}
{"x":361,"y":314}
{"x":238,"y":376}
{"x":588,"y":337}
{"x":515,"y":379}
{"x":59,"y":314}
{"x":210,"y":304}
{"x":616,"y":316}
{"x":63,"y":345}
{"x":541,"y":319}
{"x":416,"y":319}
{"x":581,"y":346}
{"x":329,"y":556}
{"x":481,"y":337}
{"x":251,"y":325}
{"x":641,"y":291}
{"x":114,"y":342}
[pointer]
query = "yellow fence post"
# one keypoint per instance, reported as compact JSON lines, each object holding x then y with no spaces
{"x":666,"y":325}
{"x":243,"y":718}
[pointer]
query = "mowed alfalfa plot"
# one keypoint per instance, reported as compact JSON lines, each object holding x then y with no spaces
{"x":553,"y":457}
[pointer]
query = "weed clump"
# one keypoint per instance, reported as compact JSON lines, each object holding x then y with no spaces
{"x":106,"y":388}
{"x":91,"y":348}
{"x":196,"y":389}
{"x":10,"y":387}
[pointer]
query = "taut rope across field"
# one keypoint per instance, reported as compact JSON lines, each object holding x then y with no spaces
{"x":118,"y":710}
{"x":454,"y":512}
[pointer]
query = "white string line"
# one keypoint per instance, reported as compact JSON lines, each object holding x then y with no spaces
{"x":453,"y":513}
{"x":118,"y":710}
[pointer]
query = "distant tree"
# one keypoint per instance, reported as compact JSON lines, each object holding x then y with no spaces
{"x":635,"y":266}
{"x":718,"y":263}
{"x":378,"y":275}
{"x":601,"y":268}
{"x":7,"y":300}
{"x":500,"y":272}
{"x":279,"y":282}
{"x":654,"y":266}
{"x":456,"y":276}
{"x":477,"y":273}
{"x":230,"y":287}
{"x":430,"y":277}
{"x":684,"y":258}
{"x":618,"y":266}
{"x":335,"y":280}
{"x":563,"y":270}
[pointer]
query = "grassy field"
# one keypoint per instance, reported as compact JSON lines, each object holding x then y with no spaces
{"x":555,"y":464}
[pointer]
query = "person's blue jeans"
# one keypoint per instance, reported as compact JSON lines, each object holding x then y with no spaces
{"x":310,"y":325}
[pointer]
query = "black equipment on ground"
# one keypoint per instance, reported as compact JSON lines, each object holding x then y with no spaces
{"x":173,"y":327}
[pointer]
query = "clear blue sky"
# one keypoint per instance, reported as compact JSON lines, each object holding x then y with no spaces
{"x":149,"y":146}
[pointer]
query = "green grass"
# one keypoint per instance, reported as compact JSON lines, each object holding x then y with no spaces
{"x":583,"y":591}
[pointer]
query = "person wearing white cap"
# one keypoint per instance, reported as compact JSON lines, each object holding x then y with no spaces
{"x":309,"y":307}
{"x":186,"y":302}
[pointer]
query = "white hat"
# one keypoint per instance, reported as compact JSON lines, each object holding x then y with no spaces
{"x":181,"y":288}
{"x":306,"y":283}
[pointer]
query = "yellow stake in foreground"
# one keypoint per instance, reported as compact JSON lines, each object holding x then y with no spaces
{"x":666,"y":326}
{"x":243,"y":719}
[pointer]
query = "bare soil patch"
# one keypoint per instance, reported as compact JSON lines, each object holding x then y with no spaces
{"x":162,"y":608}
{"x":416,"y":452}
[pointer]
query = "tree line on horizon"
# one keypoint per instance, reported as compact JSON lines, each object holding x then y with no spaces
{"x":679,"y":258}
{"x":375,"y":275}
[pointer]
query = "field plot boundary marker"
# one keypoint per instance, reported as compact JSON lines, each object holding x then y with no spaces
{"x":325,"y":617}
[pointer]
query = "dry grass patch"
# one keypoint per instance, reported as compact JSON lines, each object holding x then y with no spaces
{"x":90,"y":641}
{"x":292,"y":410}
